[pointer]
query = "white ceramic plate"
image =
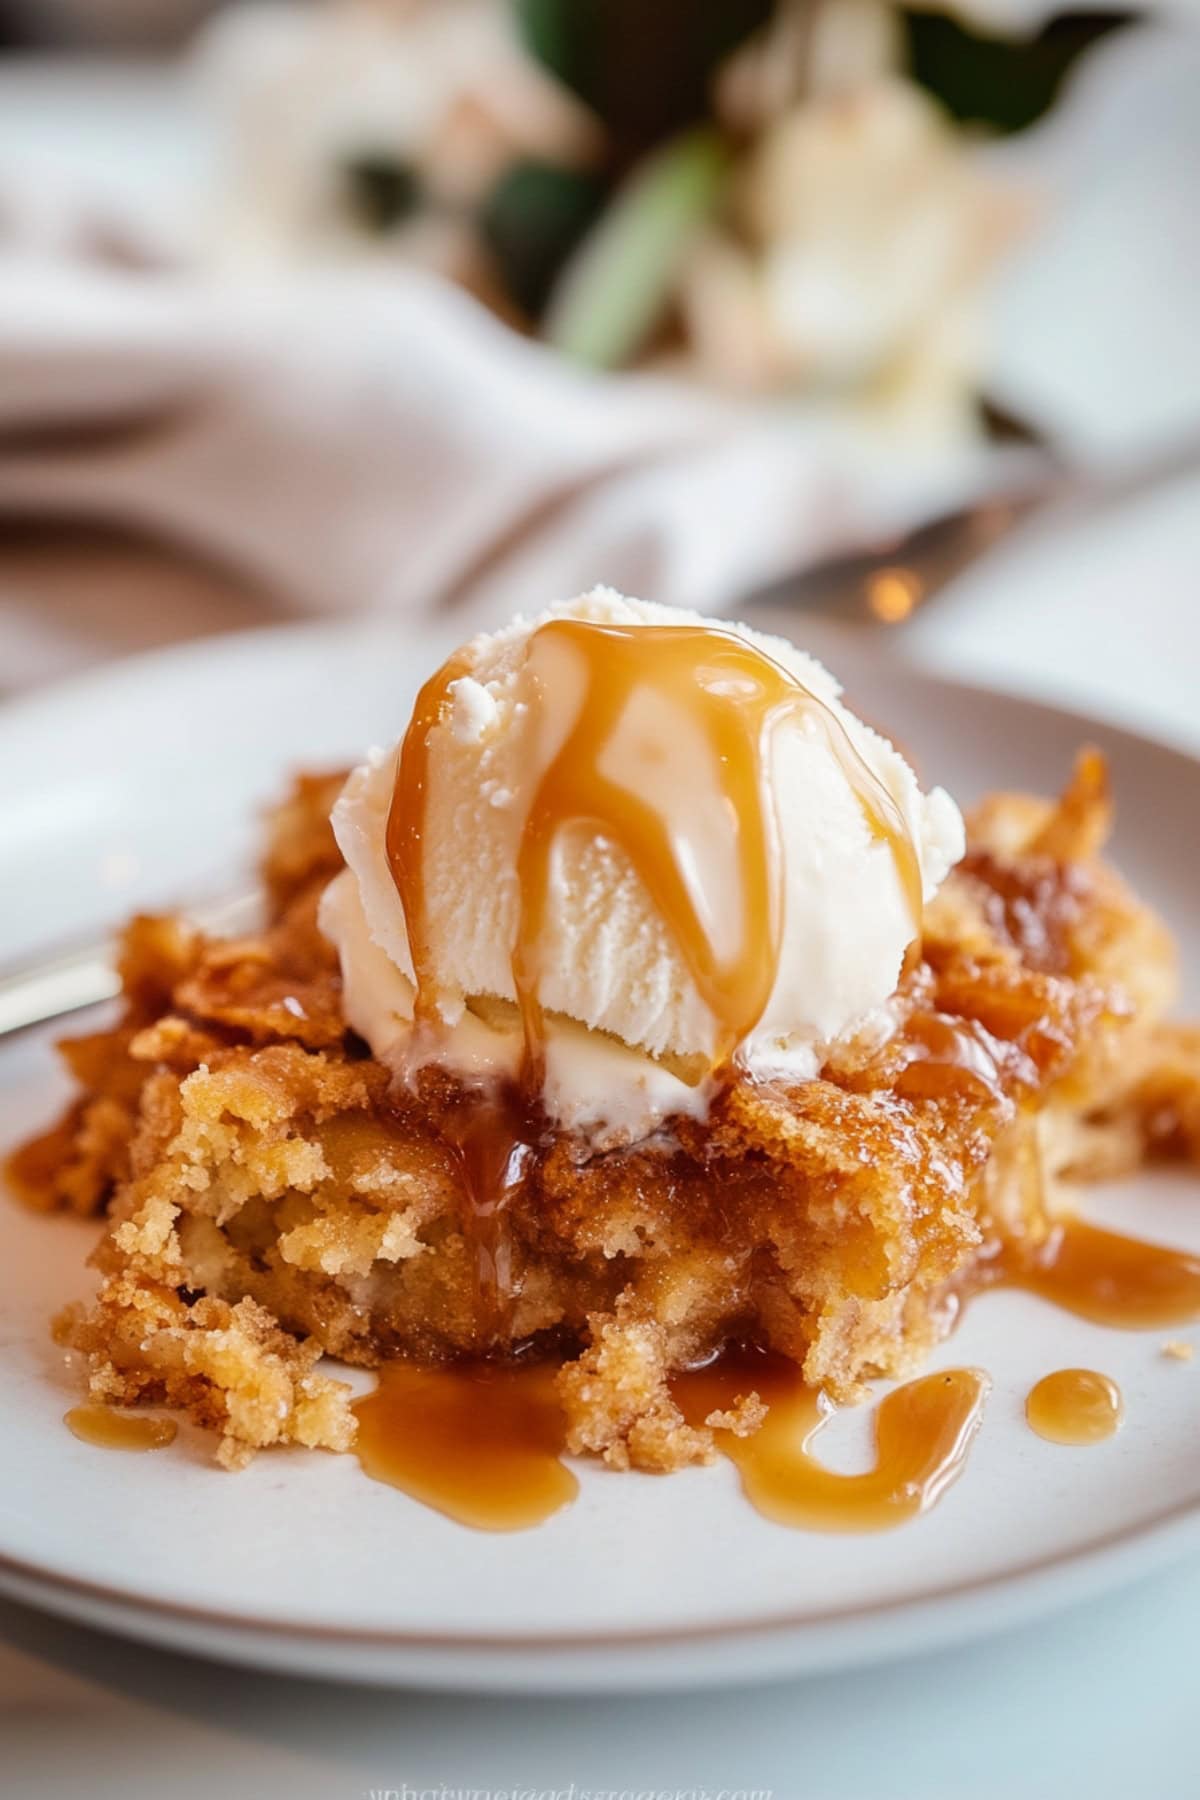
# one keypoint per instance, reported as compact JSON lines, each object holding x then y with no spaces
{"x":140,"y":784}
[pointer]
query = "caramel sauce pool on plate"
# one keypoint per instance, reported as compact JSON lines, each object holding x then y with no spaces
{"x":923,"y":1432}
{"x":482,"y":1445}
{"x":111,"y":1428}
{"x":1109,"y":1278}
{"x":485,"y":1445}
{"x":1075,"y":1406}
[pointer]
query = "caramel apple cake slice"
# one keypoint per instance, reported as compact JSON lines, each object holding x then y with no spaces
{"x":637,"y":1006}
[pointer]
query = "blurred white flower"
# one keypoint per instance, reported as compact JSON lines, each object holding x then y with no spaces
{"x":360,"y":126}
{"x":807,"y":48}
{"x":861,"y":229}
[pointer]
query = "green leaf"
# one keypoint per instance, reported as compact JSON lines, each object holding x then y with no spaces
{"x":998,"y":82}
{"x":561,"y":34}
{"x":532,"y":220}
{"x":616,"y":289}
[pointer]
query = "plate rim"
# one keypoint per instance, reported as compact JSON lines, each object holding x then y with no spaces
{"x":1170,"y":1532}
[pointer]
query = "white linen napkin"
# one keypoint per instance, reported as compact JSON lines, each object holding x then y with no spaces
{"x":357,"y":441}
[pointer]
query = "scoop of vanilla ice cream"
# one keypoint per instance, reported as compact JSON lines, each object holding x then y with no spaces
{"x":629,"y":1033}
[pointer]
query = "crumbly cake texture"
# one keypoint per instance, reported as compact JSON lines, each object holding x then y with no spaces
{"x":270,"y":1197}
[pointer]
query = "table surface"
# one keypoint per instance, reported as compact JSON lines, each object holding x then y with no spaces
{"x":1100,"y":1701}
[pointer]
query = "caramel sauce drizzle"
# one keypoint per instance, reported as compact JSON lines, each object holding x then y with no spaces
{"x":944,"y":1052}
{"x":110,"y":1428}
{"x":406,"y":824}
{"x":1105,"y":1277}
{"x":923,"y":1433}
{"x":1075,"y":1406}
{"x":483,"y":1443}
{"x":491,"y":1133}
{"x":731,"y":695}
{"x":480,"y":1443}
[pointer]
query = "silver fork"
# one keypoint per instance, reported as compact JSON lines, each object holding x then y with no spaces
{"x":51,"y":984}
{"x":886,"y":582}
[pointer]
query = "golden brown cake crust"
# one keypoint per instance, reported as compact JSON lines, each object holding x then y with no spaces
{"x":270,"y":1197}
